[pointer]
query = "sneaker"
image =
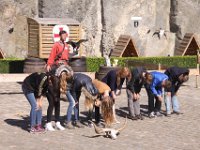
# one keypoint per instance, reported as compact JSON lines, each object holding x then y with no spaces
{"x":78,"y":124}
{"x":158,"y":114}
{"x":90,"y":125}
{"x":49,"y":127}
{"x":100,"y":125}
{"x":33,"y":130}
{"x":168,"y":114}
{"x":140,"y":117}
{"x":134,"y":118}
{"x":151,"y":115}
{"x":69,"y":125}
{"x":59,"y":126}
{"x":40,"y":129}
{"x":177,"y":112}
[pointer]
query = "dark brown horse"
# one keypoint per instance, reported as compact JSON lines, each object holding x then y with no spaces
{"x":53,"y":97}
{"x":54,"y":88}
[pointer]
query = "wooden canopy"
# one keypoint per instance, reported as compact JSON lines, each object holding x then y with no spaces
{"x":53,"y":21}
{"x":125,"y":47}
{"x":1,"y":54}
{"x":188,"y":46}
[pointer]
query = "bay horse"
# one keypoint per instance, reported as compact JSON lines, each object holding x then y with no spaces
{"x":53,"y":97}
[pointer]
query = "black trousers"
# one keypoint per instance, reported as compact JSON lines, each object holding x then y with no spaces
{"x":97,"y":115}
{"x":152,"y":106}
{"x":53,"y":105}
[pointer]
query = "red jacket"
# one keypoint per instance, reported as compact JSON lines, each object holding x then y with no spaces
{"x":57,"y":48}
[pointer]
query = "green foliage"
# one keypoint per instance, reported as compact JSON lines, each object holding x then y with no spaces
{"x":93,"y":63}
{"x":15,"y":65}
{"x":181,"y":61}
{"x":11,"y":65}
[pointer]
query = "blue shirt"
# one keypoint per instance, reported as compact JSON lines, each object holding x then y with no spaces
{"x":156,"y":85}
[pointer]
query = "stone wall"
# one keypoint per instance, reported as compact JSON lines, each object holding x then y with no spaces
{"x":88,"y":12}
{"x":13,"y":26}
{"x":186,"y":19}
{"x":103,"y":21}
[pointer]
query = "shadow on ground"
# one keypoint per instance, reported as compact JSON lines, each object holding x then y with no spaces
{"x":10,"y":93}
{"x":22,"y":123}
{"x":124,"y":111}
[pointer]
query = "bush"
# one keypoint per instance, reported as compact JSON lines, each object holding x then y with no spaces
{"x":11,"y":65}
{"x":14,"y":65}
{"x":180,"y":61}
{"x":93,"y":63}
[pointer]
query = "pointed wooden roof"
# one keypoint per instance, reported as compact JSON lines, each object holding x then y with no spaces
{"x":1,"y":54}
{"x":125,"y":47}
{"x":188,"y":46}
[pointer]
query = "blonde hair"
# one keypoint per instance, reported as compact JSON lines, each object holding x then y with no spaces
{"x":123,"y":72}
{"x":63,"y":83}
{"x":168,"y":84}
{"x":107,"y":110}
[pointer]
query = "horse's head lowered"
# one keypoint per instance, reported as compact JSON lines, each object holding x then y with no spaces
{"x":54,"y":87}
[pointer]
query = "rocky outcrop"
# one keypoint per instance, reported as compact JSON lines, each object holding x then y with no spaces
{"x":13,"y":26}
{"x":184,"y":18}
{"x":104,"y":21}
{"x":119,"y":22}
{"x":88,"y":12}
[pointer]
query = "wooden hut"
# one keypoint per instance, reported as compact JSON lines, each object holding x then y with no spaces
{"x":2,"y":56}
{"x":40,"y":34}
{"x":188,"y":46}
{"x":125,"y":47}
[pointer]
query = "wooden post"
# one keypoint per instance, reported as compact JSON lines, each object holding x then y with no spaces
{"x":197,"y":75}
{"x":198,"y":60}
{"x":197,"y":69}
{"x":40,"y":41}
{"x":159,"y":66}
{"x":197,"y":81}
{"x":80,"y":35}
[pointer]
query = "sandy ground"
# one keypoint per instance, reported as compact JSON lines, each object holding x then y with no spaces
{"x":165,"y":133}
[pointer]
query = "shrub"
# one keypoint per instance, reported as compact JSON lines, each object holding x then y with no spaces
{"x":13,"y":65}
{"x":180,"y":61}
{"x":93,"y":63}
